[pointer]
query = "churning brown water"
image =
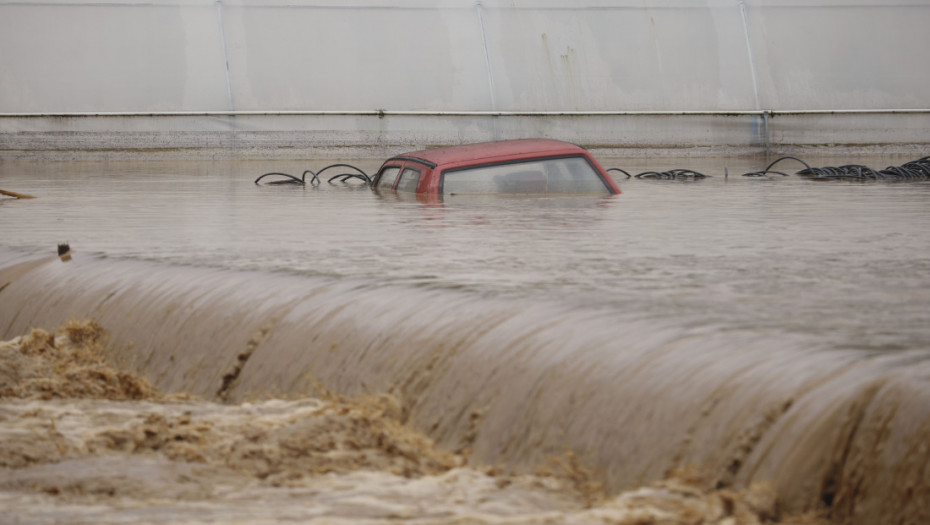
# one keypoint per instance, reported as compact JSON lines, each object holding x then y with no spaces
{"x":763,"y":332}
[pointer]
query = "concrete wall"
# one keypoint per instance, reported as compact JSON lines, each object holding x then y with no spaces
{"x":217,"y":62}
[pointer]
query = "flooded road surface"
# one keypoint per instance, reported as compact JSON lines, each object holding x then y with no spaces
{"x":844,"y":261}
{"x":764,"y":332}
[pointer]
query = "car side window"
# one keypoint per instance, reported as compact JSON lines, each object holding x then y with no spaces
{"x":409,"y":180}
{"x":388,"y":176}
{"x":556,"y":175}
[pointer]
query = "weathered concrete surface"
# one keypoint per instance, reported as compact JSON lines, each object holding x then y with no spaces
{"x":373,"y":135}
{"x":360,"y":78}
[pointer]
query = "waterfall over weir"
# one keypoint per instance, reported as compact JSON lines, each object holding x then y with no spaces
{"x":517,"y":381}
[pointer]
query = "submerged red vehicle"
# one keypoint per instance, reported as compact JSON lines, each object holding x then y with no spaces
{"x":514,"y":167}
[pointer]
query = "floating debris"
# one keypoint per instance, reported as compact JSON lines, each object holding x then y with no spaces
{"x":64,"y":252}
{"x":16,"y":195}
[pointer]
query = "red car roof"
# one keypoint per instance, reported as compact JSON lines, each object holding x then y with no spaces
{"x":493,"y":151}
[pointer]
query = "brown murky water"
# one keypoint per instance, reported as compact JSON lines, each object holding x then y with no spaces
{"x":83,"y":442}
{"x":770,"y":335}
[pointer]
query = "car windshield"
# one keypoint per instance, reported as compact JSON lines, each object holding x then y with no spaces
{"x":535,"y":176}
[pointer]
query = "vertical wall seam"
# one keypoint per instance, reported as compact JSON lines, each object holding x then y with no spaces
{"x":752,"y":64}
{"x":219,"y":17}
{"x":743,"y":11}
{"x":487,"y":54}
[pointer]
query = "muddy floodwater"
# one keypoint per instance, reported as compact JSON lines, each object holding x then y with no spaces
{"x":733,"y":349}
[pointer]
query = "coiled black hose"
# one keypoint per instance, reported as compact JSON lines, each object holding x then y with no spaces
{"x":620,"y":170}
{"x":290,"y":178}
{"x":315,"y":178}
{"x":674,"y":174}
{"x":916,"y":170}
{"x":768,"y":168}
{"x":346,"y":176}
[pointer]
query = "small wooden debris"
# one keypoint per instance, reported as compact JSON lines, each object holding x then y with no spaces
{"x":16,"y":195}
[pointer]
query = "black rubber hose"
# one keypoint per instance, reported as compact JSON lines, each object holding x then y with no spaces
{"x":776,"y":161}
{"x":290,"y":178}
{"x":347,"y":176}
{"x":362,"y":175}
{"x":673,"y":174}
{"x":918,"y":170}
{"x":768,"y":169}
{"x":620,"y":170}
